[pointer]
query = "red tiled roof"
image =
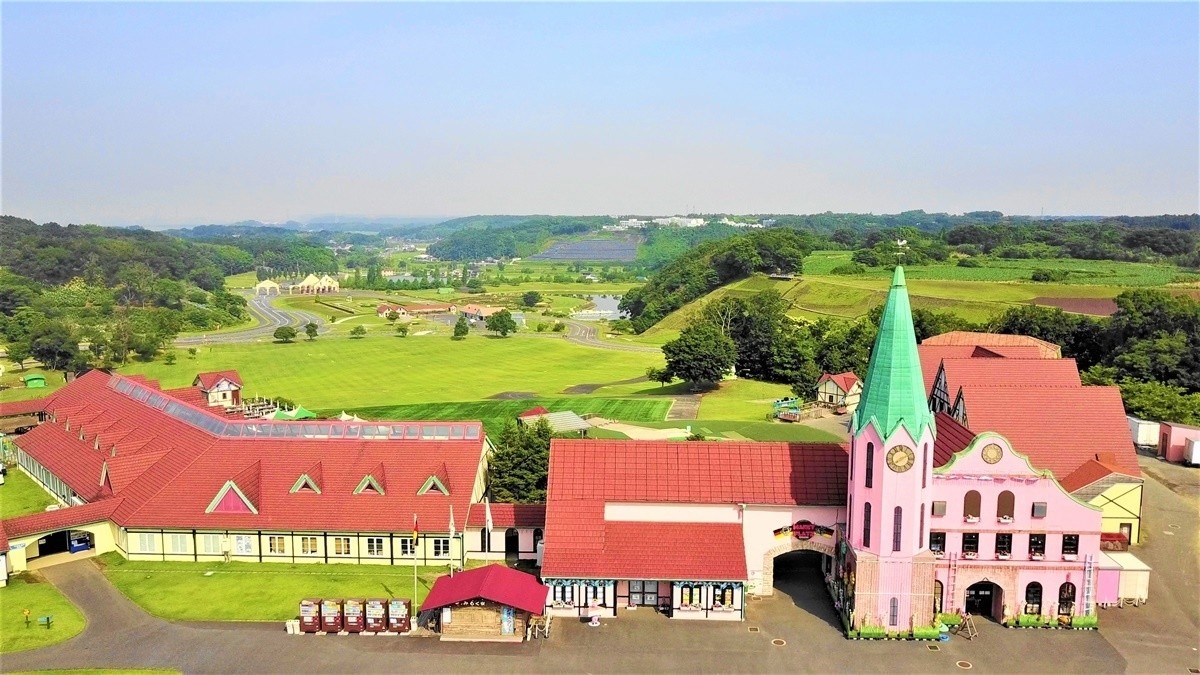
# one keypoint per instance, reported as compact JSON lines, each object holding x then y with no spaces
{"x":1008,"y":372}
{"x":497,"y":583}
{"x":585,"y":474}
{"x":952,"y":437}
{"x":1057,"y":428}
{"x":427,"y":307}
{"x":166,"y":472}
{"x":1048,"y":350}
{"x":932,"y":356}
{"x":3,"y":541}
{"x":209,"y":380}
{"x":1089,"y":472}
{"x":49,"y":521}
{"x":191,"y":395}
{"x":843,"y":380}
{"x":27,"y":407}
{"x":534,"y":412}
{"x":509,"y":515}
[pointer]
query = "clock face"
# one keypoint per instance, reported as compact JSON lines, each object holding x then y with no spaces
{"x":992,"y":453}
{"x":901,"y":458}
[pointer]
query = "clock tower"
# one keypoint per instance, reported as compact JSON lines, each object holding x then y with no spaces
{"x":890,"y":479}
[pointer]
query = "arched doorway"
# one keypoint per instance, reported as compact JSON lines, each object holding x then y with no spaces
{"x":767,"y":587}
{"x":985,"y":599}
{"x":512,"y":545}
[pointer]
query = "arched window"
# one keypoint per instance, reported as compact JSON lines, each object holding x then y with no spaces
{"x":971,"y":503}
{"x":924,"y":466}
{"x":893,"y":611}
{"x":866,"y":524}
{"x":938,"y":591}
{"x":1006,"y":505}
{"x":921,"y":529}
{"x":897,"y":524}
{"x":1066,"y":599}
{"x":1033,"y":598}
{"x":870,"y":464}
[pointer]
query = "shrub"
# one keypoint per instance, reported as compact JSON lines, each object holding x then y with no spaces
{"x":926,"y":633}
{"x":542,"y":327}
{"x":559,"y":327}
{"x":849,"y":268}
{"x":873,"y":632}
{"x":949,"y":618}
{"x":1086,"y":621}
{"x":969,"y":262}
{"x":1049,"y":275}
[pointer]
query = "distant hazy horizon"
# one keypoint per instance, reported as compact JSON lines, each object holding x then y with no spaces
{"x":170,"y":114}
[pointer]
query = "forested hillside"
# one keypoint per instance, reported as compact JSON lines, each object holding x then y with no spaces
{"x":514,"y":239}
{"x":712,"y":264}
{"x":53,"y":254}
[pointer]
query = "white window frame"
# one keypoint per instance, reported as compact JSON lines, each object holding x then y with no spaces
{"x":177,"y":543}
{"x":339,"y":542}
{"x":210,"y":544}
{"x":277,"y":544}
{"x":146,"y":542}
{"x":309,"y":545}
{"x":408,"y":547}
{"x":375,"y":546}
{"x":441,"y":548}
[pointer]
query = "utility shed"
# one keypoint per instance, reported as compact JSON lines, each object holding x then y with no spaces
{"x":560,"y":422}
{"x":486,"y":604}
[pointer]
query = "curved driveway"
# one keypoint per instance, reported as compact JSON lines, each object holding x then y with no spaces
{"x":587,"y":334}
{"x":269,"y":316}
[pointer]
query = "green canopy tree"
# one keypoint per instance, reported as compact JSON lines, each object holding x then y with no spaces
{"x":701,"y":355}
{"x":285,"y":334}
{"x":518,"y":469}
{"x":402,"y":330}
{"x":501,"y":322}
{"x":461,"y":328}
{"x":18,"y":353}
{"x":531,"y":298}
{"x":358,"y":332}
{"x":310,"y":329}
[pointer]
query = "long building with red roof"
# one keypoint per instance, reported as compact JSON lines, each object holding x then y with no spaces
{"x":177,"y":475}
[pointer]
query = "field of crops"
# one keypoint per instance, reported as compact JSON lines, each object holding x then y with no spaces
{"x":590,"y":250}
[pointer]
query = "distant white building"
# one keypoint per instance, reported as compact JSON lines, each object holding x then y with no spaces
{"x":680,"y":221}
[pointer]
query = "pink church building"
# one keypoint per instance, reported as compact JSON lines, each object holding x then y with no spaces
{"x":914,"y":517}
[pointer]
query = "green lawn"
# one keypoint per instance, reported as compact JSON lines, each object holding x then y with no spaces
{"x":754,"y":431}
{"x":239,"y":591}
{"x":29,"y":591}
{"x":17,"y":391}
{"x":742,"y":400}
{"x":495,"y":413}
{"x":21,"y":495}
{"x":243,"y":280}
{"x":382,"y":370}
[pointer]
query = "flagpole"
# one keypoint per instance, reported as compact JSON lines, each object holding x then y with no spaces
{"x":415,"y":532}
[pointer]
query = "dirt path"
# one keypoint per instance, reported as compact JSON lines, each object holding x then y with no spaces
{"x":685,"y":407}
{"x":640,"y":433}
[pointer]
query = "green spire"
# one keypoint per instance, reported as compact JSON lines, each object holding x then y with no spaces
{"x":894,"y":391}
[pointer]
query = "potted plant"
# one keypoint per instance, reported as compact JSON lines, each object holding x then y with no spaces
{"x":1037,"y":556}
{"x":1005,"y":519}
{"x":1070,"y":556}
{"x":1003,"y":555}
{"x":970,"y":555}
{"x":971,"y":519}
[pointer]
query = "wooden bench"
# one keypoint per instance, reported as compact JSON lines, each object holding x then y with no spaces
{"x":46,"y":621}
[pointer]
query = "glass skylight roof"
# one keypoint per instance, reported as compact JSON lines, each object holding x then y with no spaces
{"x":236,"y":428}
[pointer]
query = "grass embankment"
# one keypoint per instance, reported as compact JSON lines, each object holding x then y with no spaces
{"x":20,"y":495}
{"x":496,"y":413}
{"x":243,"y":280}
{"x":239,"y":591}
{"x":383,"y":370}
{"x":30,"y":591}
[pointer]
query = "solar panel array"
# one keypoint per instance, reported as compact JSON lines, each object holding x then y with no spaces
{"x":590,"y":250}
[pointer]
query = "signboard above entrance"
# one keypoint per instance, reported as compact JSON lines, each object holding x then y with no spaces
{"x":803,"y":530}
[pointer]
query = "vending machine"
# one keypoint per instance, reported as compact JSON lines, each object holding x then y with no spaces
{"x":352,"y":613}
{"x":310,"y":615}
{"x":331,"y":616}
{"x":399,"y":615}
{"x":377,"y":615}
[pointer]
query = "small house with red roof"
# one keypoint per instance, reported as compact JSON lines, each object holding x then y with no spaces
{"x":384,"y":309}
{"x":839,"y":391}
{"x":220,"y":388}
{"x":486,"y":604}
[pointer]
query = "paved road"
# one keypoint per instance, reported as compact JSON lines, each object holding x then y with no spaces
{"x":269,"y":317}
{"x":587,"y":334}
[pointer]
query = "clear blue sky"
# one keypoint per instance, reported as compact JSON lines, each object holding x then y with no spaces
{"x":161,"y":114}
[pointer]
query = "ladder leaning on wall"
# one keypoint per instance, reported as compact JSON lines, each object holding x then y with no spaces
{"x":950,"y":575}
{"x":1089,"y":583}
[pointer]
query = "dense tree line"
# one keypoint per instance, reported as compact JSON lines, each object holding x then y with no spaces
{"x":54,"y":254}
{"x":710,"y":265}
{"x":517,"y":470}
{"x":513,"y":240}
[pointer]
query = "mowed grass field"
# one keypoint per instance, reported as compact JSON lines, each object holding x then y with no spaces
{"x":238,"y":591}
{"x":30,"y":591}
{"x":20,"y":496}
{"x":496,"y":413}
{"x":384,"y":370}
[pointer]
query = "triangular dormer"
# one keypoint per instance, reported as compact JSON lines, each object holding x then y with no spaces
{"x":959,"y":411}
{"x":939,"y":397}
{"x":305,"y":483}
{"x":309,"y":481}
{"x":372,"y":483}
{"x":230,"y":499}
{"x":438,"y":482}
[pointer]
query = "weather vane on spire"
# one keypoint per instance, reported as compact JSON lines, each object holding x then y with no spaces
{"x":901,"y":244}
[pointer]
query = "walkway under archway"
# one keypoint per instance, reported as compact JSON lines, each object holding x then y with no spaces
{"x":767,"y":587}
